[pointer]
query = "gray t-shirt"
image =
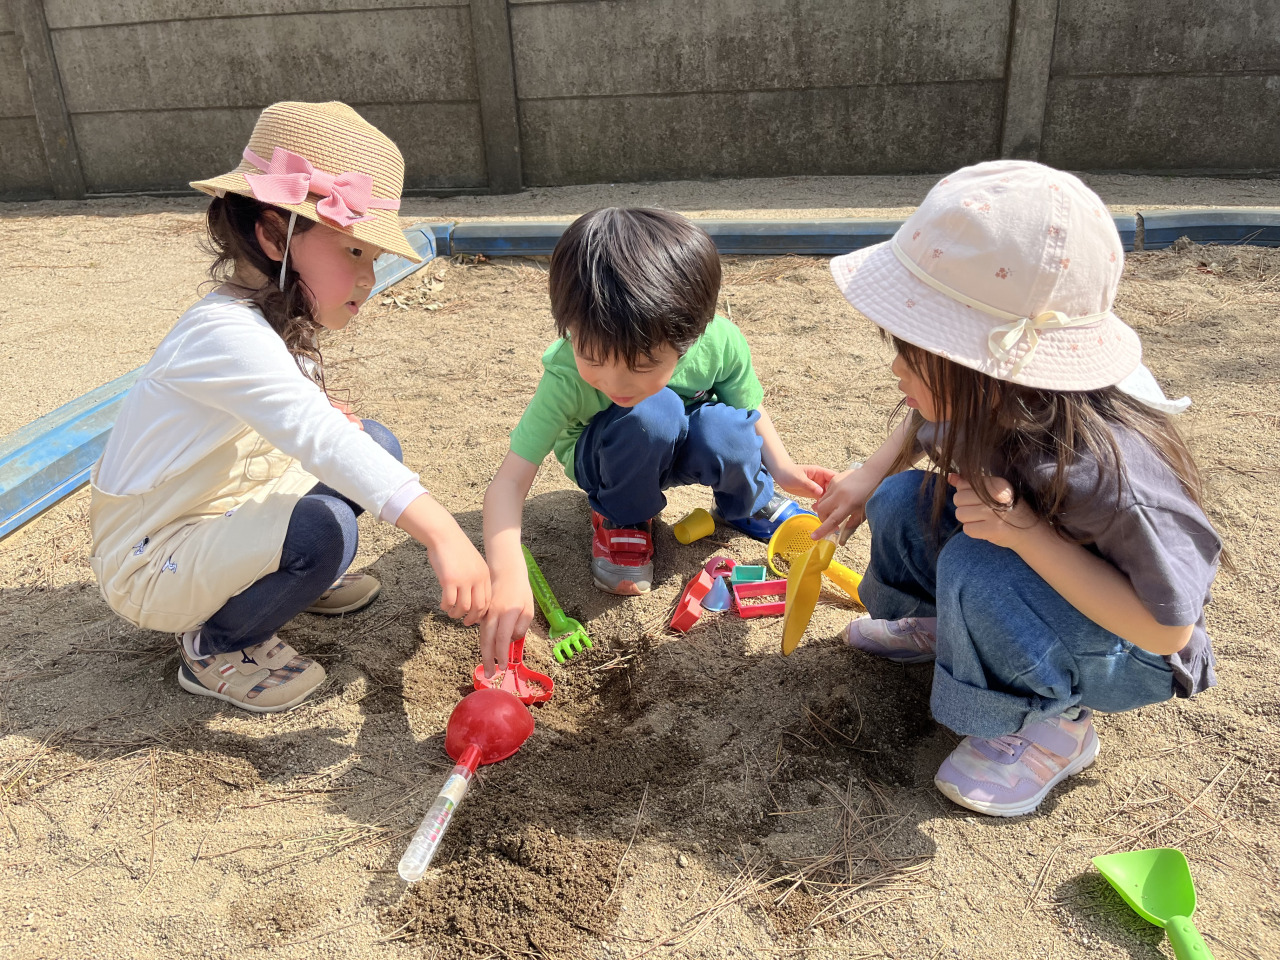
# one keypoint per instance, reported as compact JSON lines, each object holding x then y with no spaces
{"x":1153,"y":533}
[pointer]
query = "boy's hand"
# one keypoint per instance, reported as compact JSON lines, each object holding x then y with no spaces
{"x":510,"y":613}
{"x":465,"y":590}
{"x":1005,"y":527}
{"x":803,"y":480}
{"x":845,"y":502}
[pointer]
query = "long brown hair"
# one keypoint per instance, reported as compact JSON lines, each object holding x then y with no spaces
{"x":993,"y":422}
{"x":232,"y":239}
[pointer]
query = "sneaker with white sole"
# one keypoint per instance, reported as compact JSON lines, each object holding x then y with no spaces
{"x":264,"y":678}
{"x":761,"y":524}
{"x":1009,"y":776}
{"x":349,"y":593}
{"x":621,"y":556}
{"x":911,"y":640}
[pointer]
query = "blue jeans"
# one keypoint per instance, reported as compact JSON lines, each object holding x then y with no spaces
{"x":1010,"y":648}
{"x":318,"y":547}
{"x":627,"y":456}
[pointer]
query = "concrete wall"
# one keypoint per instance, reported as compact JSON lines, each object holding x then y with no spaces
{"x":154,"y":93}
{"x":647,"y":89}
{"x":24,"y":173}
{"x":1179,"y":84}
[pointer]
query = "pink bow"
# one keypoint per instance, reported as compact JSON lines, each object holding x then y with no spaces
{"x":288,"y":178}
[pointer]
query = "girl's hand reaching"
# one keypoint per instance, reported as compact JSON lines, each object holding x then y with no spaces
{"x":464,"y":577}
{"x":845,"y":501}
{"x":1008,"y":526}
{"x":465,"y":591}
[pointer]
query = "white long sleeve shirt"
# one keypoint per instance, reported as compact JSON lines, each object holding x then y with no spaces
{"x":220,"y":368}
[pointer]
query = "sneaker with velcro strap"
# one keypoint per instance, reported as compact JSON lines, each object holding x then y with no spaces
{"x":621,"y":556}
{"x":349,"y":593}
{"x":264,"y":678}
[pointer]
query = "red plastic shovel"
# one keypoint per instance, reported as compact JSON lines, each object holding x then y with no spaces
{"x":528,"y":686}
{"x":487,"y":726}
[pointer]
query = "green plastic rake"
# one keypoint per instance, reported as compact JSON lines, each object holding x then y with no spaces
{"x":568,"y":636}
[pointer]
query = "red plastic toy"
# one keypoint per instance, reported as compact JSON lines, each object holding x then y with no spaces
{"x":528,"y":686}
{"x":689,"y":607}
{"x":761,"y":588}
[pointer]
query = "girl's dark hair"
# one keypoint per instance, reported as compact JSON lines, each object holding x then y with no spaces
{"x":625,"y":281}
{"x":1010,"y":427}
{"x":232,"y":240}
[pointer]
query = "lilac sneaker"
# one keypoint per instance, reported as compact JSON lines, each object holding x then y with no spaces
{"x":913,"y":640}
{"x":1009,"y":776}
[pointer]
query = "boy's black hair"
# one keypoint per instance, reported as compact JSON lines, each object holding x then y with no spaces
{"x":625,"y":281}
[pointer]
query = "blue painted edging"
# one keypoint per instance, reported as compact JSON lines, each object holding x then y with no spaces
{"x":1258,"y":226}
{"x":745,"y":237}
{"x":815,"y":238}
{"x":49,"y":459}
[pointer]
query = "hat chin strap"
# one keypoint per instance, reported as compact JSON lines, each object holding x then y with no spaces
{"x":288,"y":237}
{"x":1004,"y":339}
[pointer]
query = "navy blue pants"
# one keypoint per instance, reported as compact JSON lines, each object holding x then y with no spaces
{"x":318,"y":547}
{"x":1010,"y":648}
{"x":627,"y":456}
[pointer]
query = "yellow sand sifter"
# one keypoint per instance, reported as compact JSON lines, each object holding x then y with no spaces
{"x":791,"y":541}
{"x":808,"y":561}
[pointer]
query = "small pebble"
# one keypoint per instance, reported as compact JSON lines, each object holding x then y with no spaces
{"x":682,"y":861}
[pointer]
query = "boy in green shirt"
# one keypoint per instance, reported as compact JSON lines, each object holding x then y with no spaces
{"x":645,"y":389}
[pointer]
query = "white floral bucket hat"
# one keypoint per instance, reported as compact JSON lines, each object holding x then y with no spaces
{"x":1009,"y":268}
{"x":325,"y":162}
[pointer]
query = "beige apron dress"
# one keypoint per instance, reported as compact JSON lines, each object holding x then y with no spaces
{"x":169,"y":558}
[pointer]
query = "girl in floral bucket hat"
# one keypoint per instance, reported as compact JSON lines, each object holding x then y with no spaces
{"x":1055,"y":558}
{"x":226,"y":500}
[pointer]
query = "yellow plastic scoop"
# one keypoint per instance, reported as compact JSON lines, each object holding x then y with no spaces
{"x":804,"y":583}
{"x":792,"y":540}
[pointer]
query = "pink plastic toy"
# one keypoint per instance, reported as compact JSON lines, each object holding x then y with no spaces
{"x":761,"y":588}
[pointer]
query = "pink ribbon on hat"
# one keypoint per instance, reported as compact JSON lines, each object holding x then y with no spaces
{"x":288,"y":178}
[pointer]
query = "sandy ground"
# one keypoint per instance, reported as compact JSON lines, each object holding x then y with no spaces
{"x":682,"y":795}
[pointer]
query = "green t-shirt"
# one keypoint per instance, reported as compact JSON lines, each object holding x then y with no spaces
{"x":716,"y":369}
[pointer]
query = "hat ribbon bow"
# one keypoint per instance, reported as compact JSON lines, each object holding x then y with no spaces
{"x":288,"y":178}
{"x":1003,"y":340}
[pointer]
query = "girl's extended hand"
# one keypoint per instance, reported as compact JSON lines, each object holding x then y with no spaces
{"x":1006,"y":527}
{"x":465,"y":590}
{"x":845,"y":499}
{"x":508,"y":618}
{"x":802,"y":480}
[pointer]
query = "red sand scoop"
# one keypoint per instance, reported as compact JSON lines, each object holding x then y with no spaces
{"x":487,"y":726}
{"x":528,"y":686}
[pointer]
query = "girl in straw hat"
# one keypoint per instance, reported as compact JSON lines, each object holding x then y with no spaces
{"x":226,"y":500}
{"x":1056,"y":559}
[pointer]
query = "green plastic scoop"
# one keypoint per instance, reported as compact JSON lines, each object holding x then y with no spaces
{"x":1157,"y":884}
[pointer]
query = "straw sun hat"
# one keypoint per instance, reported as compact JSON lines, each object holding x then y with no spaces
{"x":325,"y":162}
{"x":1009,"y":268}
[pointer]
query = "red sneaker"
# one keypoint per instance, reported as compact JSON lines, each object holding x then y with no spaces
{"x":621,"y":557}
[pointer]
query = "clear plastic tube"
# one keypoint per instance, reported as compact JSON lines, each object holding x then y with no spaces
{"x":422,"y":848}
